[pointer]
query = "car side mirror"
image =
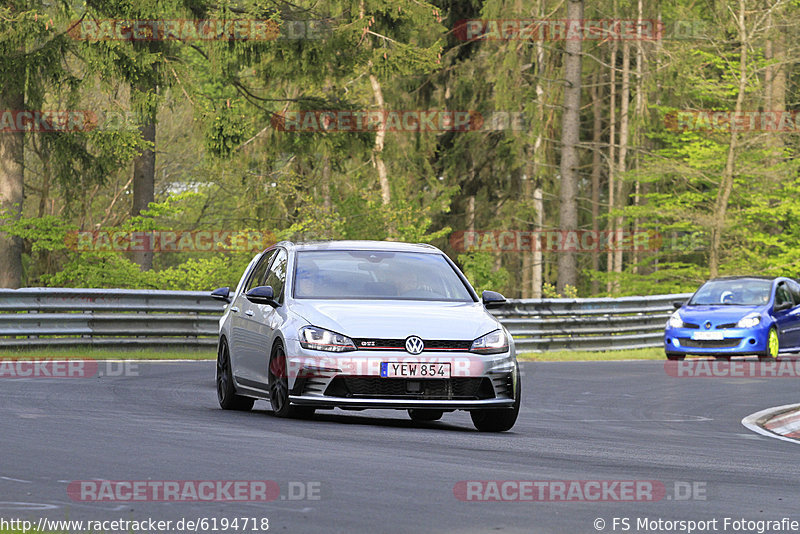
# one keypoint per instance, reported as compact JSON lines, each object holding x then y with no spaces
{"x":677,"y":304}
{"x":262,"y":295}
{"x":492,"y":299}
{"x":222,"y":293}
{"x":783,"y":306}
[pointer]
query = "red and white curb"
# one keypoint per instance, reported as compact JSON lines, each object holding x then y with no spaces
{"x":780,"y":422}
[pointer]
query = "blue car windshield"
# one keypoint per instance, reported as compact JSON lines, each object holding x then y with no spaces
{"x":377,"y":275}
{"x":737,"y":292}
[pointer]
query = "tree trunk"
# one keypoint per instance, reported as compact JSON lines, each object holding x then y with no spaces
{"x":612,"y":145}
{"x":570,"y":136}
{"x":12,"y":174}
{"x":326,"y":182}
{"x":538,"y":157}
{"x":527,"y":253}
{"x":536,"y":282}
{"x":597,"y":163}
{"x":624,"y":121}
{"x":144,"y":171}
{"x":726,"y":186}
{"x":380,"y":137}
{"x":775,"y":80}
{"x":638,"y":121}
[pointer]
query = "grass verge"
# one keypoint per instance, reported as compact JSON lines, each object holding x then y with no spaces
{"x":97,"y":353}
{"x":582,"y":356}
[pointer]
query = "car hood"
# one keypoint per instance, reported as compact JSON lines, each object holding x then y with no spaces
{"x":717,"y":314}
{"x":398,"y":319}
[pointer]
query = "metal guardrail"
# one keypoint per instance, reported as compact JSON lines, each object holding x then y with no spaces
{"x":588,"y":324}
{"x":139,"y":318}
{"x":107,"y":317}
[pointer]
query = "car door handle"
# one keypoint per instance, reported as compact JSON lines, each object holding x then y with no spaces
{"x":249,"y":313}
{"x":235,"y":309}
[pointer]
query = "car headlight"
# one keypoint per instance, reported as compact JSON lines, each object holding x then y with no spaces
{"x":492,"y":343}
{"x":675,"y":321}
{"x":315,"y":338}
{"x":749,"y":321}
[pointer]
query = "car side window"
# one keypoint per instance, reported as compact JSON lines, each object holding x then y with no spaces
{"x":794,"y":289}
{"x":782,"y":295}
{"x":276,"y":277}
{"x":259,"y":272}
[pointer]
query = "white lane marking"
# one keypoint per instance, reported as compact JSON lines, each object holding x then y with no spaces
{"x":17,"y":480}
{"x":750,"y":422}
{"x":8,"y":505}
{"x":209,"y":359}
{"x":679,"y":418}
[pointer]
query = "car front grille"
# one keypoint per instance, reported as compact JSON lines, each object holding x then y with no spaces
{"x":400,"y":344}
{"x":462,"y":388}
{"x":728,"y":343}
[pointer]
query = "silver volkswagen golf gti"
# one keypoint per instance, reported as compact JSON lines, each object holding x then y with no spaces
{"x":365,"y":324}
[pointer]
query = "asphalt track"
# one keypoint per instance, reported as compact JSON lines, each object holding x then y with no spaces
{"x":379,"y":472}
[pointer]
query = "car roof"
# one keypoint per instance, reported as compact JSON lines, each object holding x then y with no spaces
{"x":746,"y":277}
{"x":392,"y":246}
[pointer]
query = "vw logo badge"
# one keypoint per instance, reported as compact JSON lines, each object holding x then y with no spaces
{"x":414,"y":345}
{"x":708,"y":325}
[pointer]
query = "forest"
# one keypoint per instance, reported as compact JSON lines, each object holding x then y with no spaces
{"x":550,"y":147}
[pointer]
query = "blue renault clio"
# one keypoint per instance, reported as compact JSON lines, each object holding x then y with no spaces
{"x":735,"y":316}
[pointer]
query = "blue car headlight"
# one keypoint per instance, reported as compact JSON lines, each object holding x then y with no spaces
{"x":749,"y":321}
{"x":315,"y":338}
{"x":675,"y":321}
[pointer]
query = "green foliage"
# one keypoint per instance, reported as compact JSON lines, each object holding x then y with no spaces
{"x":99,"y":269}
{"x":482,"y":272}
{"x":549,"y":292}
{"x":226,"y":131}
{"x":222,"y":164}
{"x":46,"y":233}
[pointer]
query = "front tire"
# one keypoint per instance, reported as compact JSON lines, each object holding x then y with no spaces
{"x":226,"y":392}
{"x":498,"y":420}
{"x":773,"y":345}
{"x":279,"y":388}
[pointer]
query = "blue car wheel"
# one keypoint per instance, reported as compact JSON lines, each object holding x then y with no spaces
{"x":773,"y":345}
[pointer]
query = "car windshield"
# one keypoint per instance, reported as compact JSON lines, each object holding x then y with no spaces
{"x":377,"y":275}
{"x":738,"y":292}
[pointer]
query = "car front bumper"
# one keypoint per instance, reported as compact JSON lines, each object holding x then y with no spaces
{"x":735,"y":341}
{"x":353,"y":380}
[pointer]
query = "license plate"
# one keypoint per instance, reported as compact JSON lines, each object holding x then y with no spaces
{"x":707,"y":336}
{"x":415,"y":370}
